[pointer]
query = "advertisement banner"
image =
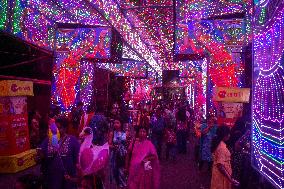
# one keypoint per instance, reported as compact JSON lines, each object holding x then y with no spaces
{"x":14,"y":131}
{"x":231,"y":94}
{"x":16,"y":88}
{"x":228,"y":113}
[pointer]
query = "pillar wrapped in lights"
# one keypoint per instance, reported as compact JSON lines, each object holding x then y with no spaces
{"x":268,"y":99}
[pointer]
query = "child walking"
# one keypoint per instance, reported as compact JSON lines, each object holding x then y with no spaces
{"x":171,"y":142}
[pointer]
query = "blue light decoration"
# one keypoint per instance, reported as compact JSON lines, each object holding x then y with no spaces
{"x":268,"y":96}
{"x":202,"y":32}
{"x":200,"y":35}
{"x":223,"y":32}
{"x":73,"y":46}
{"x":90,"y":43}
{"x":87,"y":71}
{"x":264,"y":10}
{"x":201,"y":9}
{"x":36,"y":21}
{"x":66,"y":80}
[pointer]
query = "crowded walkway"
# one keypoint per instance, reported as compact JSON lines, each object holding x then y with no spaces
{"x":141,"y":94}
{"x":161,"y":147}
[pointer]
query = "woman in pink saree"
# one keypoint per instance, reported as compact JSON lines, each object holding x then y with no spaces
{"x":144,"y":169}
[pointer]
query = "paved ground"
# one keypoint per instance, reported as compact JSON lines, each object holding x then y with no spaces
{"x":7,"y":181}
{"x":184,"y":173}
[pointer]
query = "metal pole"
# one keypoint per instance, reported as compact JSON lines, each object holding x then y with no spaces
{"x":108,"y":80}
{"x":48,"y":52}
{"x":37,"y":81}
{"x":23,"y":63}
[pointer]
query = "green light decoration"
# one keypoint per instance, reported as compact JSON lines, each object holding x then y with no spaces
{"x":119,"y":46}
{"x":262,"y":16}
{"x":273,"y":158}
{"x":3,"y":13}
{"x":50,"y":35}
{"x":84,"y":80}
{"x":18,"y":10}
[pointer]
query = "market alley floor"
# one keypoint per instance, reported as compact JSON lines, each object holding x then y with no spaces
{"x":184,"y":173}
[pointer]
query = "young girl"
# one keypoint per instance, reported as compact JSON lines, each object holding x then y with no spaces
{"x":222,"y":171}
{"x":171,"y":142}
{"x":117,"y":143}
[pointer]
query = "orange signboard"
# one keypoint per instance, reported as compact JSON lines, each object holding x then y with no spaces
{"x":231,"y":94}
{"x":16,"y":88}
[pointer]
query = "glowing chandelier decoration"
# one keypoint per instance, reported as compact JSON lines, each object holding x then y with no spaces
{"x":268,"y":104}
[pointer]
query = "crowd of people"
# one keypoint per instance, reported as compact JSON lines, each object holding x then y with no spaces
{"x":135,"y":147}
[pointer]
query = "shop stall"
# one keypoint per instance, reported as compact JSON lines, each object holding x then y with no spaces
{"x":229,"y":103}
{"x":15,"y":152}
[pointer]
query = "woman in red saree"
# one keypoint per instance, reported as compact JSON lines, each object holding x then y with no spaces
{"x":144,"y":169}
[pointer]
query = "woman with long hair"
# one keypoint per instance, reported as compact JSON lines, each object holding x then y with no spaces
{"x":118,"y":145}
{"x":143,"y":163}
{"x":222,"y":171}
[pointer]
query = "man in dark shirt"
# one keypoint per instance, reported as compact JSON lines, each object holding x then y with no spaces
{"x":99,"y":126}
{"x":76,"y":115}
{"x":158,"y":125}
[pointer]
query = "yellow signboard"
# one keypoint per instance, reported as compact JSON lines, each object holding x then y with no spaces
{"x":18,"y":162}
{"x":16,"y":88}
{"x":231,"y":94}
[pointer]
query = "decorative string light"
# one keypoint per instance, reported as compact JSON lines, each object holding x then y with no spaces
{"x":126,"y":69}
{"x":127,"y":53}
{"x":76,"y":44}
{"x":124,"y":27}
{"x":87,"y":83}
{"x":35,"y":22}
{"x":268,"y":104}
{"x":200,"y":9}
{"x":211,"y":37}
